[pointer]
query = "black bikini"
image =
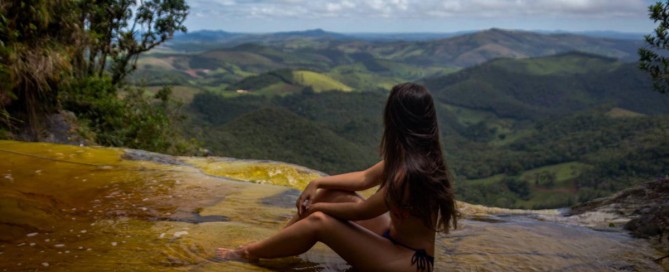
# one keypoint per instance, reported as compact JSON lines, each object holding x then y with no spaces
{"x":422,"y":260}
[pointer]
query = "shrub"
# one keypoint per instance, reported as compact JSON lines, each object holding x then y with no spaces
{"x":134,"y":120}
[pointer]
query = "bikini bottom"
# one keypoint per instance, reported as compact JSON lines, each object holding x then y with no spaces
{"x":422,"y":260}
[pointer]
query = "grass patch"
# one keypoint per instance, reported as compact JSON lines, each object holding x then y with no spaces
{"x":563,"y":171}
{"x":319,"y":82}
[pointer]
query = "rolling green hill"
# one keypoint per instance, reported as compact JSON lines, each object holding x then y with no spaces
{"x":275,"y":133}
{"x":541,"y":87}
{"x":479,"y":47}
{"x":254,"y":67}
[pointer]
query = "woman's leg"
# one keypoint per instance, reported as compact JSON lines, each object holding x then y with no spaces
{"x":360,"y":247}
{"x":377,"y":225}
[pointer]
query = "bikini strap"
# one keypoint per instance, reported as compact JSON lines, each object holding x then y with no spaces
{"x":422,"y":260}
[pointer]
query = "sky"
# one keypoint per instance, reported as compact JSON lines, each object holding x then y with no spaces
{"x":351,"y":16}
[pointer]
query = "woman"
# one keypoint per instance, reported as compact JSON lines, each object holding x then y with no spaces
{"x":393,"y":230}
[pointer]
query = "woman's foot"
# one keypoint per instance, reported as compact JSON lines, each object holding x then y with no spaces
{"x":239,"y":254}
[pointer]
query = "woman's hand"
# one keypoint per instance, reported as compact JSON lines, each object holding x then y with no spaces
{"x":312,"y":208}
{"x":304,"y":201}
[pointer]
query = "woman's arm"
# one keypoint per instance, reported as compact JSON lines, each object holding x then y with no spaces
{"x":370,"y":208}
{"x":354,"y":181}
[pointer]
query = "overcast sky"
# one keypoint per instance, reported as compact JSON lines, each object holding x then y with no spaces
{"x":419,"y":15}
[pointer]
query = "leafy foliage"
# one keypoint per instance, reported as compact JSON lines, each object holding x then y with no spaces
{"x":54,"y":54}
{"x":135,"y":121}
{"x":651,"y":59}
{"x":33,"y":57}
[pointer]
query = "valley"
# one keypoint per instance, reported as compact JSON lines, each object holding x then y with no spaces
{"x":528,"y":120}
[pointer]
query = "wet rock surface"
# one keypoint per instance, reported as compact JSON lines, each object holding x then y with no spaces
{"x":71,"y":208}
{"x":285,"y":199}
{"x":644,"y":210}
{"x":140,"y":155}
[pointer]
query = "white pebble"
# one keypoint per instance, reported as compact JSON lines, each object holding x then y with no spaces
{"x":59,"y":245}
{"x":21,"y":244}
{"x":180,"y":233}
{"x":162,"y":235}
{"x":31,"y":234}
{"x":32,"y":244}
{"x":114,"y":243}
{"x":46,"y":240}
{"x":45,"y":264}
{"x":83,"y":231}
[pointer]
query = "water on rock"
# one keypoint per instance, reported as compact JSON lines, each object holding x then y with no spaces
{"x":70,"y":208}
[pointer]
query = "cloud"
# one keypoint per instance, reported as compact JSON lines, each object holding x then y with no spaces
{"x":419,"y":8}
{"x":418,"y":15}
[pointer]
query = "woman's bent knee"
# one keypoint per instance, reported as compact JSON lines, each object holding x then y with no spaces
{"x":322,"y":223}
{"x":318,"y":217}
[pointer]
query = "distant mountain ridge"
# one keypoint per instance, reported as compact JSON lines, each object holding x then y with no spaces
{"x":389,"y":36}
{"x":476,"y":48}
{"x":459,"y":50}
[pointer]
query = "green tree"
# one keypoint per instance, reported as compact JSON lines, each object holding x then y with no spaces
{"x":47,"y":44}
{"x":74,"y":54}
{"x":118,"y":31}
{"x":518,"y":187}
{"x":652,"y":59}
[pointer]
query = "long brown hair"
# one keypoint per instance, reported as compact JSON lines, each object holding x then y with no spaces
{"x":415,"y":174}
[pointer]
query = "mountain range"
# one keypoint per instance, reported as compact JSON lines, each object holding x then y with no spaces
{"x":459,"y":49}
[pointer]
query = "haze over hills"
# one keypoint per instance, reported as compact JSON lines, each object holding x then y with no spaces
{"x":460,"y":50}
